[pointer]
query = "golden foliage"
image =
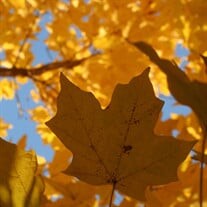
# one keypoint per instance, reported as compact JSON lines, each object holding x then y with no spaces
{"x":91,"y":42}
{"x":7,"y":89}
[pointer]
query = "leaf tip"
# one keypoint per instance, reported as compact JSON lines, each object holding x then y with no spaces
{"x":147,"y":50}
{"x":147,"y":70}
{"x":49,"y":123}
{"x":63,"y":78}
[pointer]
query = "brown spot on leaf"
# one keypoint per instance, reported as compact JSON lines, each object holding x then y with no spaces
{"x":126,"y":149}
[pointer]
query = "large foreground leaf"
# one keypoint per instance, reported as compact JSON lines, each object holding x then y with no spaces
{"x":117,"y":145}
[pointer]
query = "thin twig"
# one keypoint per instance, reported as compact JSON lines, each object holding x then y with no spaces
{"x":19,"y":104}
{"x":49,"y":53}
{"x":45,"y":83}
{"x":202,"y":166}
{"x":112,"y":194}
{"x":28,"y":33}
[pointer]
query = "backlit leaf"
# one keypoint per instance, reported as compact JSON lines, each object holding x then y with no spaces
{"x":117,"y":145}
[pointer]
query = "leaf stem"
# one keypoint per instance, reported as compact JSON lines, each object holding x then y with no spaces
{"x":112,"y":194}
{"x":202,"y":166}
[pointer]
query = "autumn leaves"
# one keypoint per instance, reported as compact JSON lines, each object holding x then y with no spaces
{"x":117,"y":145}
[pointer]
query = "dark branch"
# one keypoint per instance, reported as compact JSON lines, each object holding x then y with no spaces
{"x":28,"y":72}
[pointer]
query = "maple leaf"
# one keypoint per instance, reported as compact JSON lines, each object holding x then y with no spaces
{"x":19,"y":185}
{"x":117,"y":145}
{"x":185,"y":91}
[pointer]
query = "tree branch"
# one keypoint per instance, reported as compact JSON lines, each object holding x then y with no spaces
{"x":202,"y":165}
{"x":28,"y":72}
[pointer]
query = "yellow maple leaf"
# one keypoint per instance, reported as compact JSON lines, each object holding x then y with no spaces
{"x":17,"y":177}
